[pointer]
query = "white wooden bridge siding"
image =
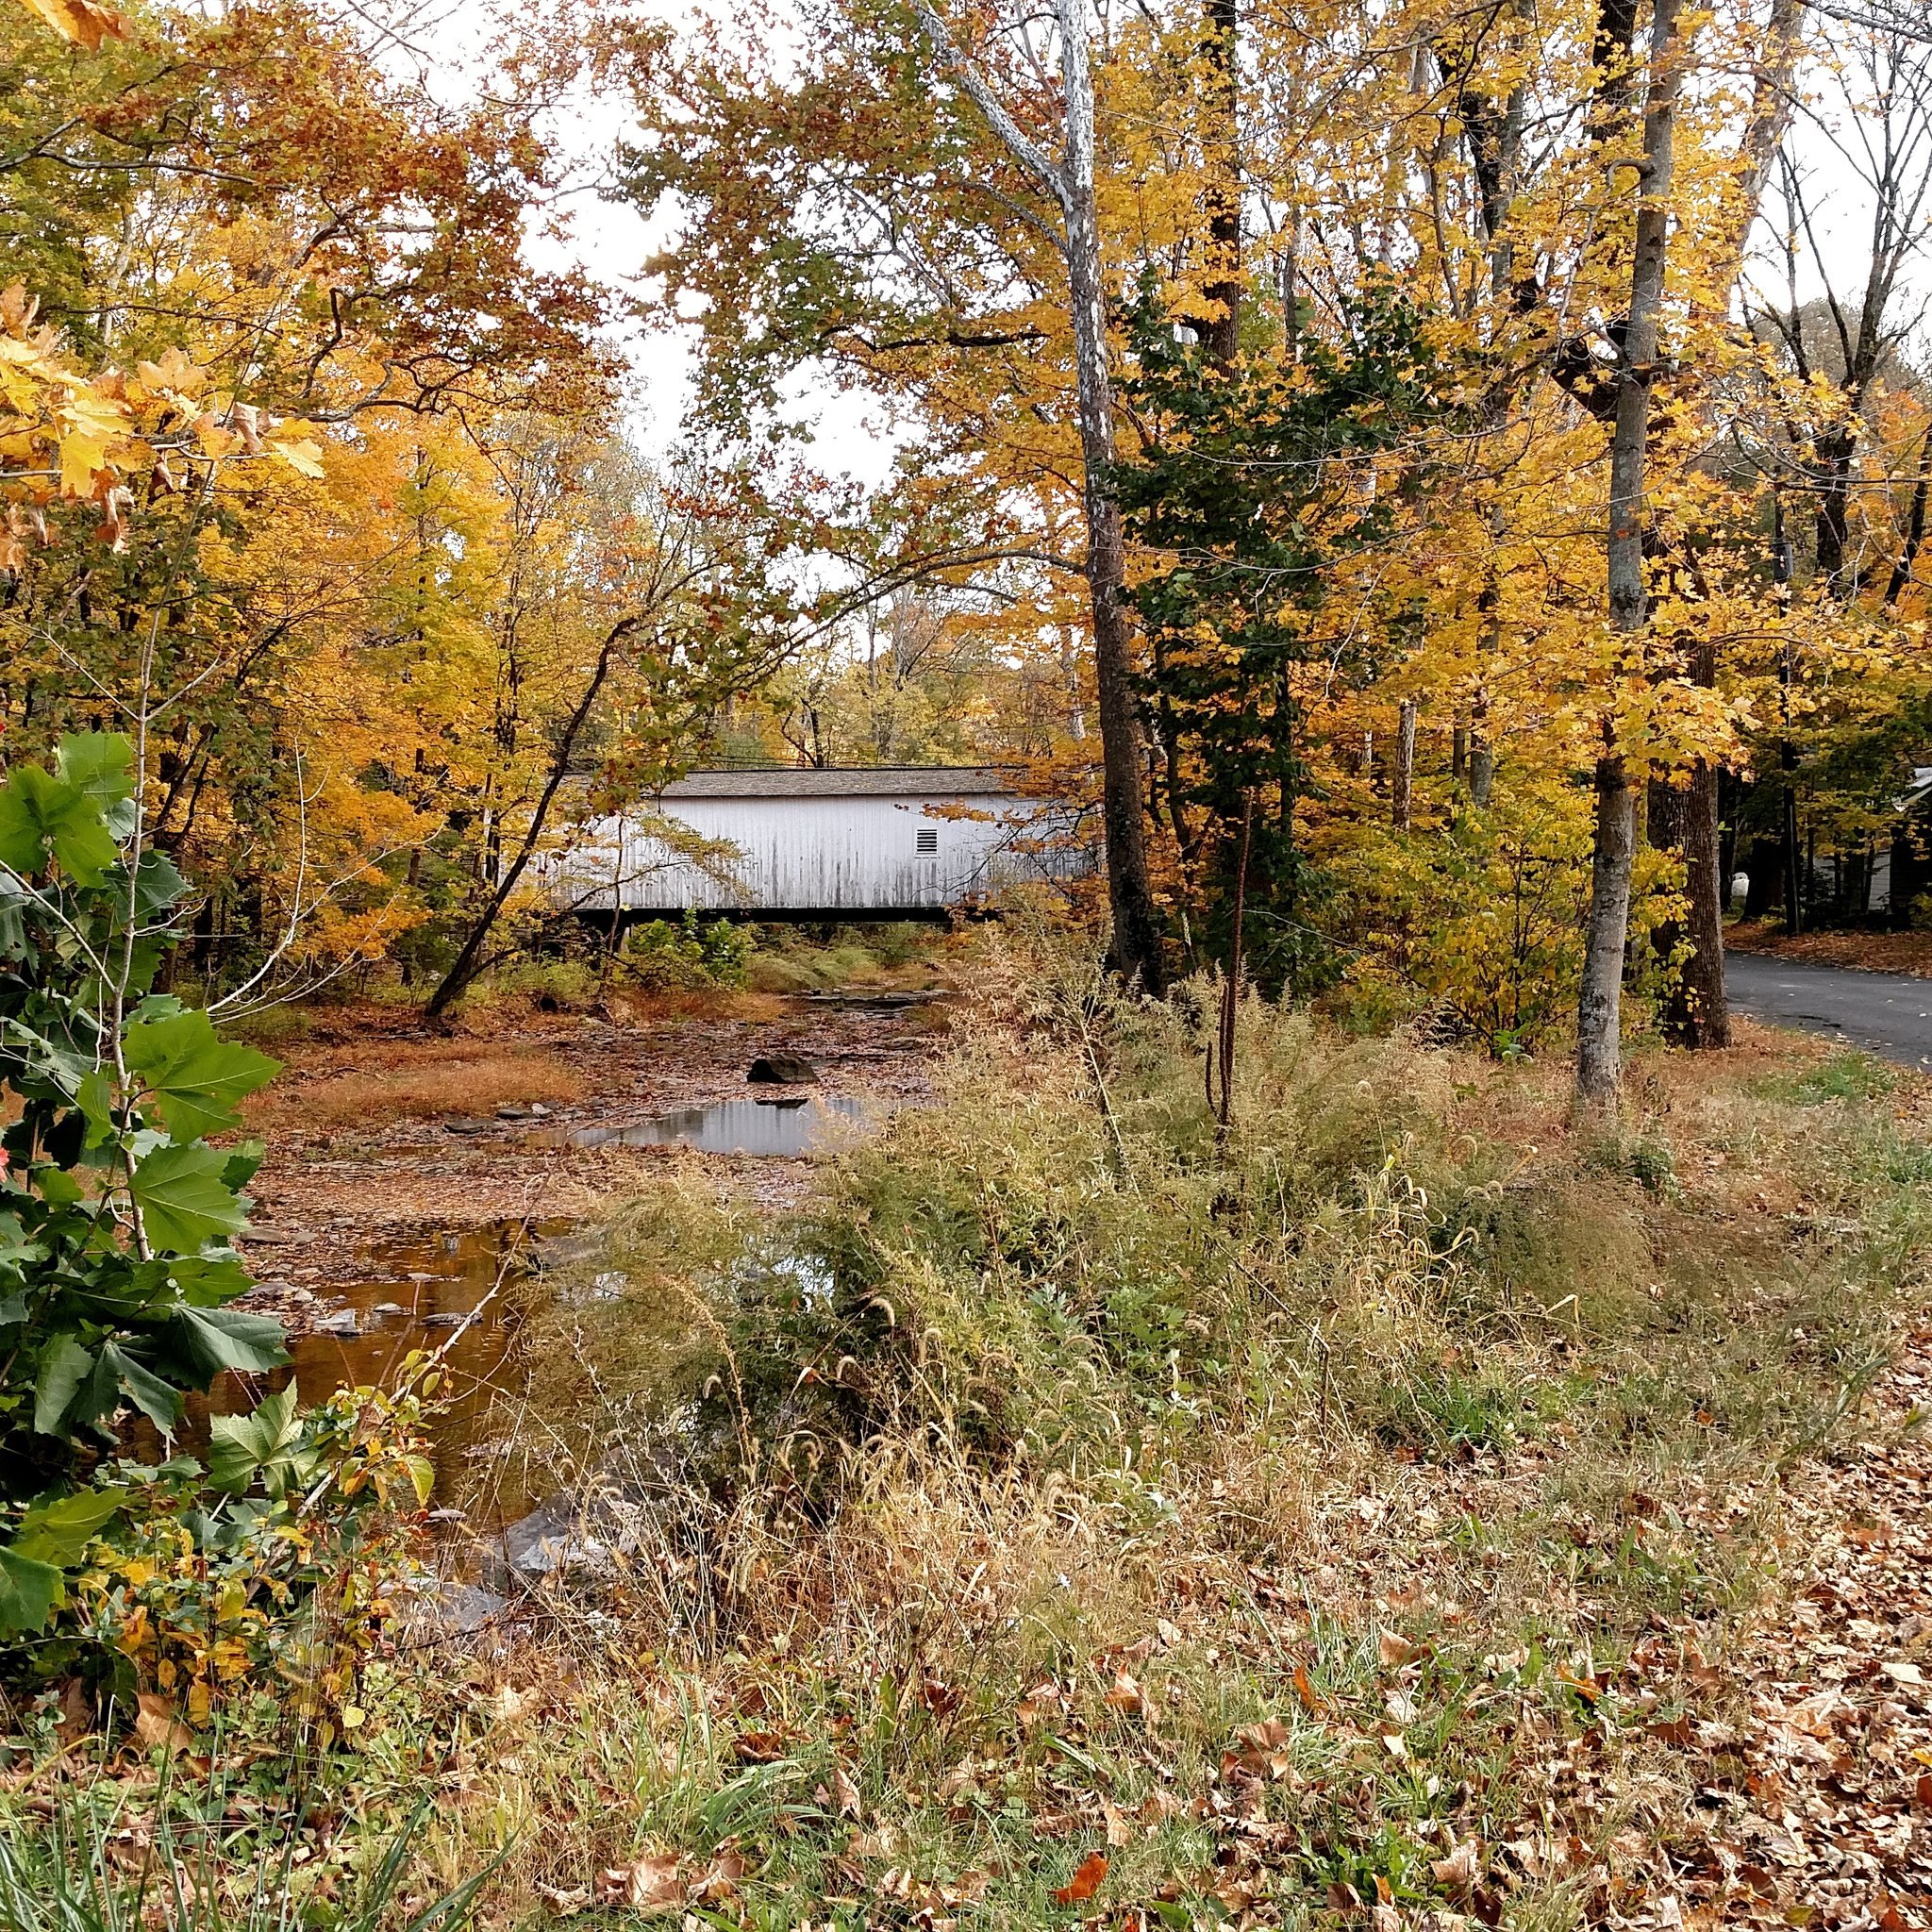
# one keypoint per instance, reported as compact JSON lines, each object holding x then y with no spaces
{"x":817,"y":844}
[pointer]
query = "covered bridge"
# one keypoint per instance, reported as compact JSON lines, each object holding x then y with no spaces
{"x":860,"y":842}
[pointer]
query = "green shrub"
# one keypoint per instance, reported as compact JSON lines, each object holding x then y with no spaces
{"x":116,"y":1216}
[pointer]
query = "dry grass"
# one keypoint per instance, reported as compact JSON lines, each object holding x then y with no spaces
{"x":421,"y":1082}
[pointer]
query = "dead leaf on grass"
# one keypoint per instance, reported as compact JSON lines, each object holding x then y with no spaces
{"x":156,"y":1725}
{"x":1127,"y":1694}
{"x":845,"y":1791}
{"x":1119,"y":1832}
{"x":650,"y":1883}
{"x":722,"y":1875}
{"x":1457,"y":1871}
{"x":1394,"y":1649}
{"x":1085,"y":1882}
{"x":758,"y":1747}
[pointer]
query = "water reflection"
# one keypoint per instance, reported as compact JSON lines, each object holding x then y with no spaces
{"x":788,"y":1126}
{"x":419,"y":1293}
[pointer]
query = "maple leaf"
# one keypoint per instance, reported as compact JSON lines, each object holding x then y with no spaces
{"x":83,"y":21}
{"x":1085,"y":1882}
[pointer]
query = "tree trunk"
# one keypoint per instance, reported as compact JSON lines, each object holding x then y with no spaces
{"x":1130,"y":891}
{"x":1599,"y":1052}
{"x":1402,"y":786}
{"x":1696,"y":1011}
{"x":1915,"y":530}
{"x":1599,"y":1013}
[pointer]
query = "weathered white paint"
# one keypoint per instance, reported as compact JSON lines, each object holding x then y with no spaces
{"x":819,"y":843}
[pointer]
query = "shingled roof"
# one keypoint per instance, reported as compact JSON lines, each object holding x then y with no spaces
{"x":850,"y":781}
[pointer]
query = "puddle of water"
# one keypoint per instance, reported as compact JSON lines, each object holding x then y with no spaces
{"x":415,"y":1296}
{"x":783,"y":1127}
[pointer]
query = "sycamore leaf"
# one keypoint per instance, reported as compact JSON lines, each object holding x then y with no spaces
{"x":83,"y":21}
{"x":100,"y":763}
{"x":41,"y":814}
{"x":64,"y":1365}
{"x":157,"y":1399}
{"x":218,"y":1339}
{"x":241,"y":1445}
{"x":183,"y":1199}
{"x":196,"y":1079}
{"x":29,"y":1593}
{"x":60,"y":1531}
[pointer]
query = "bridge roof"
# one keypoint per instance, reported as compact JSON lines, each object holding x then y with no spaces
{"x":848,"y":781}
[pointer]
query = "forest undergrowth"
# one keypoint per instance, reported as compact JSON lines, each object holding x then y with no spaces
{"x":1080,"y":1513}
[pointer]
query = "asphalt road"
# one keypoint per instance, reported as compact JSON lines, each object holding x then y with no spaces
{"x":1887,"y":1014}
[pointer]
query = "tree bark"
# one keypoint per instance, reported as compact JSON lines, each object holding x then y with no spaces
{"x":1130,"y":891}
{"x":1599,"y":1046}
{"x":1599,"y":1012}
{"x":1402,"y":786}
{"x":1698,"y":1012}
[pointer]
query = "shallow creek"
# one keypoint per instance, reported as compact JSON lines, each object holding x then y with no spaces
{"x":456,"y":1291}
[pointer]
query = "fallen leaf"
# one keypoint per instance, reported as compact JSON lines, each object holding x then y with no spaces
{"x":758,"y":1747}
{"x":722,"y":1875}
{"x":943,"y":1699}
{"x":1393,"y":1649}
{"x":1457,"y":1871}
{"x":156,"y":1724}
{"x":1127,"y":1694}
{"x":1119,"y":1832}
{"x":1303,"y":1689}
{"x":845,"y":1791}
{"x":1085,"y":1882}
{"x":1041,"y":1702}
{"x":652,"y":1884}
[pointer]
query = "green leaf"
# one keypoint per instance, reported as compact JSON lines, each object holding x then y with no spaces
{"x":42,"y":814}
{"x":205,"y":1281}
{"x":60,"y":1531}
{"x":183,"y":1199}
{"x":218,"y":1339}
{"x":158,"y":884}
{"x":244,"y":1161}
{"x":29,"y":1593}
{"x":197,"y":1080}
{"x":95,"y":1097}
{"x":241,"y":1445}
{"x":99,"y":764}
{"x":39,"y":813}
{"x":157,"y":1399}
{"x":64,"y":1365}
